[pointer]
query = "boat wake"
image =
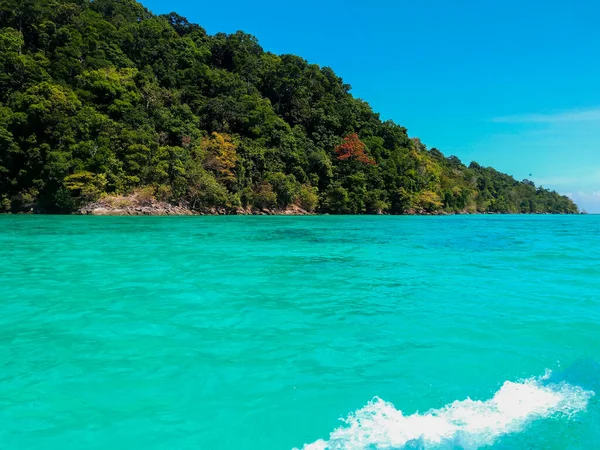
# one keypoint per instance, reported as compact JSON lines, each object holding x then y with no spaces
{"x":467,"y":424}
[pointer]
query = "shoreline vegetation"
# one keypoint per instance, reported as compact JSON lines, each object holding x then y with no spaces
{"x":142,"y":203}
{"x":106,"y":108}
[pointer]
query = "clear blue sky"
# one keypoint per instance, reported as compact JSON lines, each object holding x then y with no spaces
{"x":510,"y":84}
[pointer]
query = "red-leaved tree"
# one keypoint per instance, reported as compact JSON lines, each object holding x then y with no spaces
{"x":353,"y":147}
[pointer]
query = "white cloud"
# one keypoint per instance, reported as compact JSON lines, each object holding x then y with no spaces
{"x":587,"y":201}
{"x":577,"y":115}
{"x":595,"y":196}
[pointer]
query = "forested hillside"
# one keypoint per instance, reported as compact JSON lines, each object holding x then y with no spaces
{"x":102,"y":97}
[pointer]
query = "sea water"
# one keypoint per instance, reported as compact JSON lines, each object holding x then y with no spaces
{"x":300,"y":332}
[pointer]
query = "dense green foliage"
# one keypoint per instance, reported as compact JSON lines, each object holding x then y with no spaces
{"x":102,"y":97}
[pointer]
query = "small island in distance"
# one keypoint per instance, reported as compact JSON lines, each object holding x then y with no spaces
{"x":107,"y":107}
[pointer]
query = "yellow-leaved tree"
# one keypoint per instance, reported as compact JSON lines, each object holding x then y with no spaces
{"x":221,"y":156}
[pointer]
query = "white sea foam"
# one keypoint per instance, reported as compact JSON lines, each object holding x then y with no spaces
{"x":468,"y":424}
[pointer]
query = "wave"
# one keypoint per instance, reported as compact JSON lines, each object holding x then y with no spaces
{"x":467,"y":424}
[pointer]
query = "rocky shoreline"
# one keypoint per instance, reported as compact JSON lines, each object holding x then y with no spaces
{"x":157,"y":208}
{"x":133,"y":206}
{"x":138,"y":204}
{"x":154,"y":209}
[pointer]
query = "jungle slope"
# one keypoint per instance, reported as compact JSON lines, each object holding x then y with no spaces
{"x":103,"y":98}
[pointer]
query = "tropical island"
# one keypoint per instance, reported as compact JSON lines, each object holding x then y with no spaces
{"x":104,"y":103}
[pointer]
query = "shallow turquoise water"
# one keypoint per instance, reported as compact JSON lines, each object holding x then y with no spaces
{"x":262,"y":332}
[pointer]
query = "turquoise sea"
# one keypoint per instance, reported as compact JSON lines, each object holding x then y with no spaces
{"x":300,"y":332}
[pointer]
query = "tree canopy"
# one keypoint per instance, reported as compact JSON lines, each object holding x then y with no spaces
{"x":100,"y":97}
